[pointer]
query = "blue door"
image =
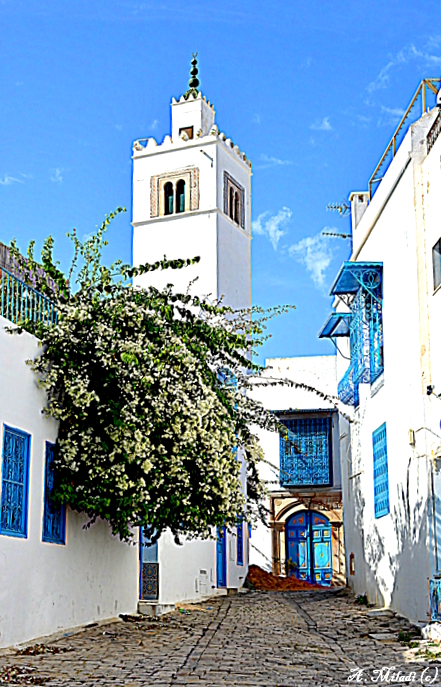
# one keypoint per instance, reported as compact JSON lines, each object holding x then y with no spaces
{"x":221,"y":557}
{"x":148,"y":568}
{"x":309,"y":547}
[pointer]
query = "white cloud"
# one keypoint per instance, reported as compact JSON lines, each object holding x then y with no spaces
{"x":118,"y":127}
{"x":321,"y":125}
{"x":8,"y":180}
{"x":271,"y":162}
{"x":154,"y":124}
{"x":408,"y":54}
{"x":256,"y":119}
{"x":57,"y":176}
{"x":315,"y":252}
{"x":272,"y":225}
{"x":390,"y":115}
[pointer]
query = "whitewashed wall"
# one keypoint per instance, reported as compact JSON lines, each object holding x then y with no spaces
{"x":318,"y":372}
{"x":394,"y":554}
{"x":49,"y":587}
{"x":188,"y":571}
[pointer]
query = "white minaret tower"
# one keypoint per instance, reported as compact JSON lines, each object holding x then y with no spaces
{"x":192,"y":197}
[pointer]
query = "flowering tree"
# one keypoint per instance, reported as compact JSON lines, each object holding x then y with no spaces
{"x":149,"y":389}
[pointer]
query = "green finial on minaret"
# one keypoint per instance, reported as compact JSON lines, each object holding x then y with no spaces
{"x":193,"y":82}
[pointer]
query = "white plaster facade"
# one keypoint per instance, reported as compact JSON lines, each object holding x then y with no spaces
{"x":204,"y":228}
{"x":320,"y":374}
{"x":49,"y":587}
{"x":395,"y":556}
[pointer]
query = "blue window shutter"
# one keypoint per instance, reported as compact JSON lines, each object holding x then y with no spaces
{"x":54,"y":517}
{"x":239,"y":541}
{"x":381,"y":475}
{"x":15,"y":482}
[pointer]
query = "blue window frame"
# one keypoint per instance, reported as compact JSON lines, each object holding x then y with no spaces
{"x":54,"y":517}
{"x":15,"y":482}
{"x":305,"y":452}
{"x":381,"y":476}
{"x":239,"y":538}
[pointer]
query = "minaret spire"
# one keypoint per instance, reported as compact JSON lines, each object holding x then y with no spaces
{"x":193,"y":82}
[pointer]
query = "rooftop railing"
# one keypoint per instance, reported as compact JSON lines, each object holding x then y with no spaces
{"x":433,"y":85}
{"x":20,"y":303}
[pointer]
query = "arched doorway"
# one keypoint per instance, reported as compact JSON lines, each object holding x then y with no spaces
{"x":309,"y":547}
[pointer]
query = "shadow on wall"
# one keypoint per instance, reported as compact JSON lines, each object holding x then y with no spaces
{"x":368,"y":581}
{"x":397,"y":564}
{"x":411,"y":566}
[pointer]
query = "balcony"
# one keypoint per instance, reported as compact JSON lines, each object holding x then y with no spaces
{"x":359,"y":287}
{"x":21,"y":304}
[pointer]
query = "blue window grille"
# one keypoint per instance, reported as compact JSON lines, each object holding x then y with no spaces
{"x":305,"y":452}
{"x":20,"y":303}
{"x":381,"y":476}
{"x":359,"y":286}
{"x":239,"y":538}
{"x":54,"y":517}
{"x":15,"y":482}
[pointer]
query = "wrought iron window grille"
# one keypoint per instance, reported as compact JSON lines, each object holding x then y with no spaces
{"x":15,"y":483}
{"x":54,"y":516}
{"x":359,"y":287}
{"x":305,"y":452}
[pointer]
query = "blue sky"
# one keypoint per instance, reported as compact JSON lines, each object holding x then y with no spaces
{"x":311,"y":90}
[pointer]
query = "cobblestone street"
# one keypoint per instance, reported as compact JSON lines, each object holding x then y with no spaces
{"x":258,"y":638}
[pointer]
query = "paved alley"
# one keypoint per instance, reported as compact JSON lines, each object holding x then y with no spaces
{"x":258,"y":638}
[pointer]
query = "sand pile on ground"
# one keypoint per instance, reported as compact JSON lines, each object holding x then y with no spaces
{"x":266,"y":582}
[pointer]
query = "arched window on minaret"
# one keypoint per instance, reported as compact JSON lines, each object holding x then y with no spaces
{"x":231,"y":205}
{"x":180,"y":196}
{"x":168,"y":198}
{"x":236,"y":208}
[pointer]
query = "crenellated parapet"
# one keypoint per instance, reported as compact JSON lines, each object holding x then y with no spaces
{"x":198,"y":111}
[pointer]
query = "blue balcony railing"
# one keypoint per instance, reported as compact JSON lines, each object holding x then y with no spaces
{"x":20,"y":303}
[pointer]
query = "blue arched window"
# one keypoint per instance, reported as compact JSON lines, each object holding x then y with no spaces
{"x":180,"y":196}
{"x":168,"y":198}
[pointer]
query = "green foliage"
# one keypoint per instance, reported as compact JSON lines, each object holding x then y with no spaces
{"x":149,"y":432}
{"x":362,"y":600}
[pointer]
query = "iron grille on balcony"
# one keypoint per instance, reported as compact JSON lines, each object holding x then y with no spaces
{"x":358,"y":285}
{"x":305,"y":452}
{"x":20,"y":303}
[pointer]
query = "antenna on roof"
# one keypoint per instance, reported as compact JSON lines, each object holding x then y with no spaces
{"x":342,"y":208}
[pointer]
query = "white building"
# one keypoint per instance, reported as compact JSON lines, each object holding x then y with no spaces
{"x":54,"y":574}
{"x":192,"y":197}
{"x":387,"y":323}
{"x":302,"y":472}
